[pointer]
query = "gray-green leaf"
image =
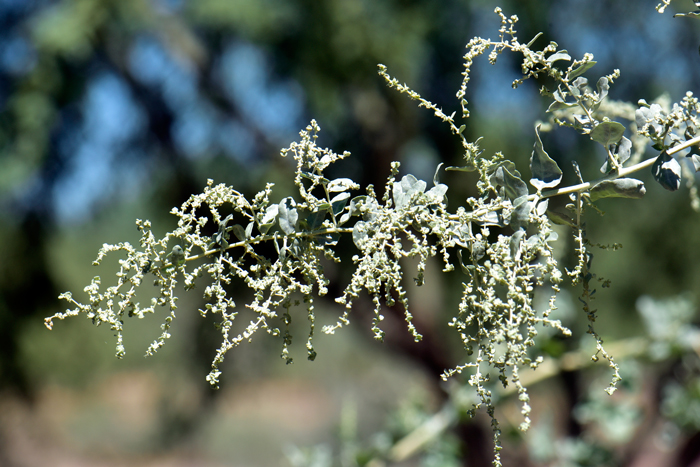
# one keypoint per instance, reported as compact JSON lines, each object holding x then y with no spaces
{"x":269,"y":218}
{"x":520,"y":217}
{"x":556,"y":105}
{"x":696,"y":161}
{"x":607,"y":133}
{"x":623,"y":151}
{"x":561,"y":55}
{"x":406,"y":188}
{"x":513,"y":185}
{"x":619,"y":188}
{"x":288,"y":216}
{"x":545,"y":172}
{"x":581,"y":69}
{"x":342,"y":184}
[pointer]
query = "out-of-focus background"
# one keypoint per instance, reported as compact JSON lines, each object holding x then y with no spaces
{"x":113,"y":110}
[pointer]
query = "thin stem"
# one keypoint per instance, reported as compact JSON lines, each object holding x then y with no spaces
{"x":623,"y":172}
{"x":683,"y":145}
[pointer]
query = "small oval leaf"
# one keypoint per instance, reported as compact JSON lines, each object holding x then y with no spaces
{"x":607,"y":133}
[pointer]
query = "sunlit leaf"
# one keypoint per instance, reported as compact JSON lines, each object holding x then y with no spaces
{"x":545,"y":171}
{"x":561,"y":55}
{"x":269,"y":218}
{"x":288,"y":216}
{"x":342,"y":184}
{"x":406,"y":188}
{"x":695,"y":159}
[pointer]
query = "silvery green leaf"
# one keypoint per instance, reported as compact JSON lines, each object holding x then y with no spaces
{"x":354,"y":208}
{"x":537,"y":36}
{"x":545,"y":172}
{"x":695,"y":159}
{"x":437,"y":193}
{"x":533,"y":241}
{"x":561,"y":55}
{"x":369,"y":213}
{"x":225,"y":221}
{"x":411,"y":185}
{"x":342,"y":184}
{"x":542,"y":207}
{"x":607,"y":133}
{"x":478,"y":250}
{"x":466,"y":269}
{"x":560,"y":106}
{"x":580,"y":85}
{"x":249,"y":230}
{"x":436,"y":177}
{"x":406,"y":188}
{"x":560,"y":218}
{"x":324,"y":162}
{"x":269,"y":218}
{"x":339,"y":201}
{"x":559,"y":96}
{"x":619,"y":188}
{"x":581,"y":69}
{"x":644,"y":116}
{"x":667,"y":171}
{"x":514,"y":187}
{"x":315,"y":178}
{"x":467,"y":168}
{"x":623,"y":150}
{"x":520,"y":216}
{"x":603,"y":87}
{"x":288,"y":216}
{"x":583,"y":124}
